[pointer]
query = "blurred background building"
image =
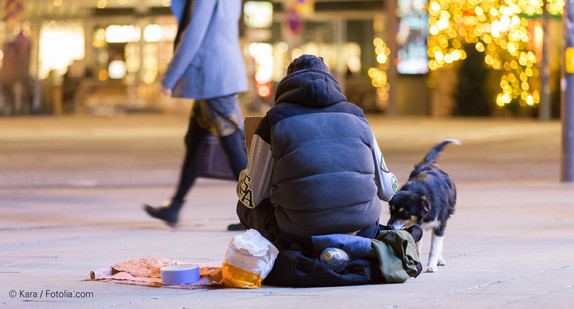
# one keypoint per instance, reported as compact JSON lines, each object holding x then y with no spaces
{"x":405,"y":57}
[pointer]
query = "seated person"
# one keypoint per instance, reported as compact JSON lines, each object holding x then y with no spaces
{"x":314,"y":165}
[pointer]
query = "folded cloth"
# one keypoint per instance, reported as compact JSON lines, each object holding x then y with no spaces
{"x":355,"y":246}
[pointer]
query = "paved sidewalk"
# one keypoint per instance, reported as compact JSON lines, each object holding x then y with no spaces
{"x":71,"y":194}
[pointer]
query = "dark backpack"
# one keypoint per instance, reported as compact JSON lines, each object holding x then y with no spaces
{"x":295,"y":269}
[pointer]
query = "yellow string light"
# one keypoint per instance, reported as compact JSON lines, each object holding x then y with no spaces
{"x":378,"y":75}
{"x":496,"y":28}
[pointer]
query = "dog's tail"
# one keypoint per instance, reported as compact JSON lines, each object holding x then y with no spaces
{"x":433,"y":154}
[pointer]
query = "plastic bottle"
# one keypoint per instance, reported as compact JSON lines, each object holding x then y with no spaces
{"x":334,"y":258}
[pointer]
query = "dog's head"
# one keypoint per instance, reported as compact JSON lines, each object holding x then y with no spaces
{"x":406,"y":209}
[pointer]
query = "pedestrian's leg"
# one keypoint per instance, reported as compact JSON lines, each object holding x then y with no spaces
{"x":229,"y":123}
{"x":234,"y":147}
{"x":195,"y":141}
{"x":228,"y":119}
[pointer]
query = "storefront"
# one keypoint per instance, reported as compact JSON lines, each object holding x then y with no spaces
{"x":105,"y":59}
{"x":84,"y":59}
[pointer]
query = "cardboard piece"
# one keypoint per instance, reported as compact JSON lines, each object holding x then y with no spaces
{"x":146,"y":272}
{"x":250,"y":123}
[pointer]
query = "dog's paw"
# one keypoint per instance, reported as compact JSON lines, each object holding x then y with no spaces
{"x":431,"y":269}
{"x":441,"y":262}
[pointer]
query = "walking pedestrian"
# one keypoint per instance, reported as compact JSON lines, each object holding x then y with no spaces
{"x":207,"y":66}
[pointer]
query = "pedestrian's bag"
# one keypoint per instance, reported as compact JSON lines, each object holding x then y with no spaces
{"x":215,"y":162}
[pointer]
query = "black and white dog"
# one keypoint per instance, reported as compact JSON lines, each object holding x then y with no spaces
{"x":427,"y":199}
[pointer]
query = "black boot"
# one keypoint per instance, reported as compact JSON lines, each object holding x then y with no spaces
{"x":168,"y":212}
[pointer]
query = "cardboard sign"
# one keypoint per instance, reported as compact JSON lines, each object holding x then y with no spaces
{"x":250,"y":123}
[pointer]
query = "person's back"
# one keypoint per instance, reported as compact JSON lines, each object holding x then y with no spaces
{"x":323,"y":173}
{"x":314,"y":165}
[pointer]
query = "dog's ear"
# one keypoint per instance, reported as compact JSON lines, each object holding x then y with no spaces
{"x":426,"y":204}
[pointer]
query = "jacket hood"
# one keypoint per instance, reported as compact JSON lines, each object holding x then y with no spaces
{"x":310,"y":88}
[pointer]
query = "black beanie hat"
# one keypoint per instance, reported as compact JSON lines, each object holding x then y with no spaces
{"x":305,"y":62}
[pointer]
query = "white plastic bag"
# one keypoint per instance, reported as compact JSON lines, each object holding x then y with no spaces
{"x":248,"y":260}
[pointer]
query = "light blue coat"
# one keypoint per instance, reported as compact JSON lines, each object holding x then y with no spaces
{"x":207,"y":62}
